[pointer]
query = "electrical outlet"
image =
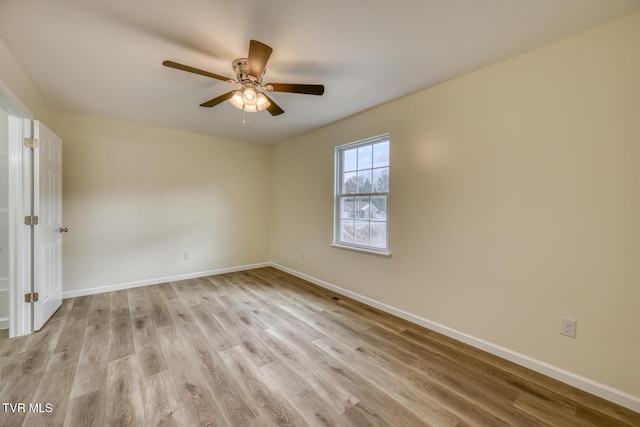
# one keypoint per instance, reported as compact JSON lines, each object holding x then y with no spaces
{"x":187,"y":255}
{"x":568,"y":327}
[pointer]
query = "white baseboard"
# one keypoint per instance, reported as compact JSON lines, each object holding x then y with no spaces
{"x":4,"y":323}
{"x":158,"y":280}
{"x":601,"y":390}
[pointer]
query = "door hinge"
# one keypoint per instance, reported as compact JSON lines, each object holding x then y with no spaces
{"x":31,"y":220}
{"x":31,"y":142}
{"x":31,"y":297}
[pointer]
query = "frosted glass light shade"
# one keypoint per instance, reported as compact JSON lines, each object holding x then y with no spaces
{"x":262,"y":102}
{"x":236,"y":100}
{"x":249,"y":96}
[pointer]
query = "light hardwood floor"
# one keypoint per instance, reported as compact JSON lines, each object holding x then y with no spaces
{"x":262,"y":347}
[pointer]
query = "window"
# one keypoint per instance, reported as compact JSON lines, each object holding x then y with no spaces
{"x":362,"y":190}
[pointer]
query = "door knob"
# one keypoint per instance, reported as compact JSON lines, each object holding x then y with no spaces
{"x":64,"y":230}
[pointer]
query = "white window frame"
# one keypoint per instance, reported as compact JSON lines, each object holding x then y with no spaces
{"x":338,"y":196}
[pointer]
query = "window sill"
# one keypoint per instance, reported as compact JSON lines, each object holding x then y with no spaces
{"x":359,"y":249}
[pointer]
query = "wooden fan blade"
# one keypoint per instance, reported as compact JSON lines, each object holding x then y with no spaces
{"x":183,"y":67}
{"x":296,"y":88}
{"x":259,"y":54}
{"x":217,"y":100}
{"x":273,"y":108}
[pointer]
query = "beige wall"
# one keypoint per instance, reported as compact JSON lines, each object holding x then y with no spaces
{"x":137,"y":197}
{"x":515,"y":199}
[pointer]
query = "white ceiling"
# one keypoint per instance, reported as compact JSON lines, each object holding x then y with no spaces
{"x":104,"y":57}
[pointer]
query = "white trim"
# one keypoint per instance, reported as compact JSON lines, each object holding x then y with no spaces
{"x":19,"y":266}
{"x":158,"y":280}
{"x":11,"y":104}
{"x":19,"y":234}
{"x":601,"y":390}
{"x":338,"y":195}
{"x":361,"y":249}
{"x":4,"y":323}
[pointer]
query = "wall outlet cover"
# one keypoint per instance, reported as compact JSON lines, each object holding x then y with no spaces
{"x":568,"y":327}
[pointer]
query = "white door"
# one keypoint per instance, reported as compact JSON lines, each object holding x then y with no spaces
{"x":47,"y":240}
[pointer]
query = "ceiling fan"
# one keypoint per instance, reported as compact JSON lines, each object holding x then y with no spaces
{"x":249,"y":73}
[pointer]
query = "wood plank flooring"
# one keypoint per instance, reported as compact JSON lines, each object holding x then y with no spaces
{"x":262,"y":347}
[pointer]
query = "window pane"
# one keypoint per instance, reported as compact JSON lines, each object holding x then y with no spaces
{"x":347,"y":231}
{"x":362,"y":233}
{"x":379,"y":234}
{"x":350,"y":160}
{"x":349,"y":183}
{"x":362,"y":207}
{"x":364,"y":157}
{"x":381,"y":180}
{"x":347,"y":208}
{"x":378,"y":208}
{"x":381,"y":154}
{"x":364,"y":181}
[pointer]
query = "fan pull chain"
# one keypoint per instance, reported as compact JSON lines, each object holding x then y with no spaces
{"x":246,"y":120}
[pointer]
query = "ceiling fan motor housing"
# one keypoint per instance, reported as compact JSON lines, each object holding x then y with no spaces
{"x":240,"y":67}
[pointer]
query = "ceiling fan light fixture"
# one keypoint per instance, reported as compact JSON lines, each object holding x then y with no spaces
{"x":249,"y":100}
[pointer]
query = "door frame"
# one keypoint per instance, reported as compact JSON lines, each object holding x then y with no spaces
{"x":20,"y":119}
